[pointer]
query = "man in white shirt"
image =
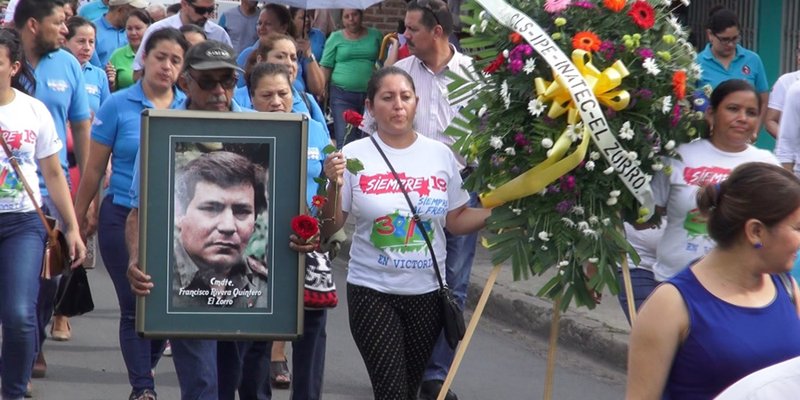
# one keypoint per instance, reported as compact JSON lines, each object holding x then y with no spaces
{"x":196,"y":12}
{"x":428,"y":27}
{"x":777,"y":98}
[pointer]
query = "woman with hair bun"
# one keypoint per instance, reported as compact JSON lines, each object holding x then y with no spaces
{"x":733,"y":311}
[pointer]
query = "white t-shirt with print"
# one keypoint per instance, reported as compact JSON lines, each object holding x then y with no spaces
{"x":30,"y":133}
{"x":387,"y":255}
{"x":686,"y":236}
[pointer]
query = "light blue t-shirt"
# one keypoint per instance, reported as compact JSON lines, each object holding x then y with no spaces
{"x":135,"y":180}
{"x":96,"y":86}
{"x":299,"y":82}
{"x":60,"y":85}
{"x":242,"y":96}
{"x":108,"y":39}
{"x":745,"y":65}
{"x":118,"y":126}
{"x":92,"y":11}
{"x":318,"y":139}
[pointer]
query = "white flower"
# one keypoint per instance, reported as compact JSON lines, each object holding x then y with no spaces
{"x":632,"y":155}
{"x":517,"y":211}
{"x":536,"y":107}
{"x":667,"y":2}
{"x":544,"y":236}
{"x":611,"y":201}
{"x":651,"y":154}
{"x":658,"y":167}
{"x":568,"y":222}
{"x":496,"y":142}
{"x":614,"y":193}
{"x":547,"y":143}
{"x":544,"y":248}
{"x":578,"y":210}
{"x":482,"y":111}
{"x":484,"y":24}
{"x":594,"y":220}
{"x":589,"y":165}
{"x":590,"y":233}
{"x":609,"y":171}
{"x":563,"y":264}
{"x":650,"y":65}
{"x":531,"y":239}
{"x":530,"y":66}
{"x":606,"y":221}
{"x":670,"y":145}
{"x":685,"y":2}
{"x":583,"y":225}
{"x":574,"y":132}
{"x":697,"y":70}
{"x":510,"y":151}
{"x":666,"y":104}
{"x":505,"y":54}
{"x":593,"y":260}
{"x":504,"y":94}
{"x":676,"y":25}
{"x":473,"y":29}
{"x":482,"y":15}
{"x":594,"y":155}
{"x":625,"y":132}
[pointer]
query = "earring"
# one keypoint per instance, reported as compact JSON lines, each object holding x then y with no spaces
{"x":758,"y":246}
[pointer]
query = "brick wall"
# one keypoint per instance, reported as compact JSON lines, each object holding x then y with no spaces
{"x":384,"y":15}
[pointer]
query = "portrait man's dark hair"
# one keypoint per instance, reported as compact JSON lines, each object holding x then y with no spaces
{"x":221,"y":168}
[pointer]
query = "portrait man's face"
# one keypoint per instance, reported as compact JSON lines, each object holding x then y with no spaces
{"x":218,"y":224}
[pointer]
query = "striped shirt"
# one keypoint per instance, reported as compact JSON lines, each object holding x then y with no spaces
{"x":434,"y":111}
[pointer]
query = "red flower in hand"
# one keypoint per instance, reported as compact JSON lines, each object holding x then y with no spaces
{"x":319,"y":201}
{"x":305,"y":226}
{"x":353,"y":118}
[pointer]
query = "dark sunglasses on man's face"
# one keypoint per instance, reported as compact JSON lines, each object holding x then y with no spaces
{"x":202,"y":10}
{"x":208,"y":83}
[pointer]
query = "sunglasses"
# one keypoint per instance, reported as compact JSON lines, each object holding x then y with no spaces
{"x":202,"y":10}
{"x":426,"y":5}
{"x":206,"y":83}
{"x":725,"y":40}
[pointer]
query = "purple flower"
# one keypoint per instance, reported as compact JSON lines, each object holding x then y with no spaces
{"x":515,"y":66}
{"x":608,"y":48}
{"x":515,"y":170}
{"x":496,"y":161}
{"x":521,"y":140}
{"x":564,"y":206}
{"x":583,"y":4}
{"x":553,"y":189}
{"x":568,"y":183}
{"x":644,"y":52}
{"x":644,"y":94}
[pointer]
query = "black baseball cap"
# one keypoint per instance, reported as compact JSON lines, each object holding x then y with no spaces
{"x":211,"y":54}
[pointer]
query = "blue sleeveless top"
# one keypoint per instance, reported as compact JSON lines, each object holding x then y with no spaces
{"x":727,"y":342}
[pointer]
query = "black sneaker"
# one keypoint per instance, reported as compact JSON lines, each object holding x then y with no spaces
{"x":429,"y":390}
{"x":146,"y":394}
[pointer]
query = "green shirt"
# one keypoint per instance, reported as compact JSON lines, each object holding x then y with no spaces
{"x":122,"y":60}
{"x":351,"y":61}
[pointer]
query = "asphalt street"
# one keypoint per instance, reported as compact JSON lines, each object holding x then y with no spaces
{"x":501,"y":363}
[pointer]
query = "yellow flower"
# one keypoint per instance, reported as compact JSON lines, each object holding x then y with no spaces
{"x":557,"y":36}
{"x":560,"y":21}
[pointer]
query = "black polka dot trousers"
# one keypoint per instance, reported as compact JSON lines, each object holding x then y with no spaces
{"x":395,"y":335}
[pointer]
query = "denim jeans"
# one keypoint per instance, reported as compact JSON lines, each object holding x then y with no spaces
{"x":308,"y":357}
{"x":136,"y":352}
{"x":252,"y":379}
{"x":643,"y":282}
{"x":196,"y":366}
{"x":460,"y":252}
{"x":22,"y":238}
{"x":341,"y":101}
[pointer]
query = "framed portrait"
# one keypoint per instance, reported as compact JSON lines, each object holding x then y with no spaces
{"x":218,"y":192}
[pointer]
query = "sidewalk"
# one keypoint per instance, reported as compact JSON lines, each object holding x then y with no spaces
{"x":601,"y":334}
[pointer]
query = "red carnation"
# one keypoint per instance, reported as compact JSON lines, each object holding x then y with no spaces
{"x":353,"y":118}
{"x":642,"y":14}
{"x":319,"y":201}
{"x":305,"y":226}
{"x":495,"y":65}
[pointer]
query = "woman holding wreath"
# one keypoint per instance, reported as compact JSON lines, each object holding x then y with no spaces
{"x":392,"y":289}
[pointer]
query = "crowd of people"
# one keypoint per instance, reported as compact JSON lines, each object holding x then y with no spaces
{"x":715,"y":266}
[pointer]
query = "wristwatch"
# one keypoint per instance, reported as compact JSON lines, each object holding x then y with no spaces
{"x":312,"y":58}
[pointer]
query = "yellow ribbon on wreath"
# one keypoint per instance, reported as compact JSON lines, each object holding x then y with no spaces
{"x":604,"y":86}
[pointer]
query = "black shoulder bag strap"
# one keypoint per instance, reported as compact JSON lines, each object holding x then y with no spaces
{"x":417,"y":219}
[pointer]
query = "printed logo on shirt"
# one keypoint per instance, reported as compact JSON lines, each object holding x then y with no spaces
{"x":58,"y":85}
{"x":695,"y":224}
{"x":15,"y":139}
{"x":386,"y":183}
{"x":313,"y":153}
{"x":399,"y":233}
{"x":702,"y":176}
{"x":746,"y":70}
{"x":10,"y":186}
{"x":93,"y":90}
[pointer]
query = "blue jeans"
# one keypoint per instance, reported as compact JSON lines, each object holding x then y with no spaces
{"x":460,"y":252}
{"x":22,"y":238}
{"x":643,"y":282}
{"x":243,"y":366}
{"x":196,"y":366}
{"x":140,"y":355}
{"x":308,"y":357}
{"x":341,"y":101}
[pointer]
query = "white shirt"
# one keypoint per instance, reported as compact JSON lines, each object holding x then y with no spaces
{"x":434,"y":111}
{"x":387,"y":255}
{"x":686,"y":235}
{"x":779,"y":89}
{"x":213,"y":32}
{"x":787,"y":147}
{"x":780,"y":381}
{"x":30,"y":133}
{"x":645,"y":242}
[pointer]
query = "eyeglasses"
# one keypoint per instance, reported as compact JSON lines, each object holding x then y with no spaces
{"x":206,"y":83}
{"x":726,"y":40}
{"x":426,"y":5}
{"x":201,"y":10}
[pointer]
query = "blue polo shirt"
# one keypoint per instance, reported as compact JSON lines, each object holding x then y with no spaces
{"x":134,"y":187}
{"x":108,"y":39}
{"x":92,"y":11}
{"x":96,"y":86}
{"x":118,"y":126}
{"x":745,"y":65}
{"x":60,"y":85}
